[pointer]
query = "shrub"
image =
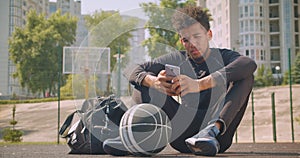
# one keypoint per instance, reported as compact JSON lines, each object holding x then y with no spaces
{"x":12,"y":134}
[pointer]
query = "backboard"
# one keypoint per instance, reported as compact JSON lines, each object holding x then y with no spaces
{"x":77,"y":60}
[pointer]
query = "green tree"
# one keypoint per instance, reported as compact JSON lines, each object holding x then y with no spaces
{"x":263,"y":77}
{"x":75,"y":82}
{"x":296,"y":70}
{"x":36,"y":49}
{"x":163,"y":36}
{"x":110,"y":29}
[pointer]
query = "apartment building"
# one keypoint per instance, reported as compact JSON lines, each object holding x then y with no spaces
{"x":73,"y":7}
{"x":13,"y":14}
{"x":264,"y":30}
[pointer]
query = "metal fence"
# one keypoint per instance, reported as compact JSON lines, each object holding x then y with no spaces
{"x":271,"y":116}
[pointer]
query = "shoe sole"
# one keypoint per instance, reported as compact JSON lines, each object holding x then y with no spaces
{"x":203,"y":148}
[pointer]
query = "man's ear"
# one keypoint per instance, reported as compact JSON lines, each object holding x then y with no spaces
{"x":209,"y":34}
{"x":181,"y":40}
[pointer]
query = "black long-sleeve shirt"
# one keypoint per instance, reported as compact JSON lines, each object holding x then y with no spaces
{"x":224,"y":65}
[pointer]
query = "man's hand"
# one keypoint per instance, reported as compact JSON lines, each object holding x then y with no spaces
{"x":183,"y":84}
{"x":161,"y":82}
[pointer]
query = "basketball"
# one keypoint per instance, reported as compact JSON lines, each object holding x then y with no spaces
{"x":145,"y":130}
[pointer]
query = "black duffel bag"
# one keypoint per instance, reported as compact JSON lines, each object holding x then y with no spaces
{"x":99,"y":120}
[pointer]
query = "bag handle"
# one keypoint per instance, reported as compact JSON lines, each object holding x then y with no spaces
{"x":66,"y":125}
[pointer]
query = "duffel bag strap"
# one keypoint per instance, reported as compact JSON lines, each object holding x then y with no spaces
{"x":66,"y":125}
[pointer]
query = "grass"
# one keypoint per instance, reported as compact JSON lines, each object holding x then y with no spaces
{"x":30,"y":143}
{"x":4,"y":102}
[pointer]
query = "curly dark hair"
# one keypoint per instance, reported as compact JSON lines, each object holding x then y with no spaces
{"x":189,"y":15}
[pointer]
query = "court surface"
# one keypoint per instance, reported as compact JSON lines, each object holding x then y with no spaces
{"x":237,"y":150}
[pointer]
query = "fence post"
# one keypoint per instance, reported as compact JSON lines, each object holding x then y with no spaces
{"x":273,"y":117}
{"x":253,"y":113}
{"x":291,"y":96}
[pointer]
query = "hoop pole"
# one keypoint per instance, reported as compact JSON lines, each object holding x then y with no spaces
{"x":58,"y":95}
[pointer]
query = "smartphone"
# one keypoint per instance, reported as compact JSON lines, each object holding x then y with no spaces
{"x":172,"y":70}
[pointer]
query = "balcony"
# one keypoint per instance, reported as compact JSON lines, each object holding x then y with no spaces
{"x":274,"y":26}
{"x":273,"y":1}
{"x":296,"y":14}
{"x":274,"y":40}
{"x":274,"y":12}
{"x":275,"y":55}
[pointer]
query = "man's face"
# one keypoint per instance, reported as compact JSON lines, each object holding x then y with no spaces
{"x":195,"y":39}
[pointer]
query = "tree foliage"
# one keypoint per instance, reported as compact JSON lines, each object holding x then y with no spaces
{"x":76,"y":86}
{"x":110,"y":29}
{"x":163,"y":37}
{"x":295,"y":72}
{"x":36,"y":49}
{"x":263,"y":77}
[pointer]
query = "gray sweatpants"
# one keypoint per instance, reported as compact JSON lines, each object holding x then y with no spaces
{"x":187,"y":119}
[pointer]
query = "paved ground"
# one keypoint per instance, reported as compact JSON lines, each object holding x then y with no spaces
{"x":237,"y":150}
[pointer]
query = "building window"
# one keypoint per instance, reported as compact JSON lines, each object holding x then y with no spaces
{"x":241,"y":12}
{"x":246,"y":26}
{"x":297,"y":40}
{"x":241,"y":41}
{"x":246,"y":11}
{"x":252,"y":55}
{"x":262,"y":40}
{"x":261,"y":13}
{"x":252,"y":25}
{"x":251,"y":40}
{"x":257,"y":40}
{"x":251,"y":11}
{"x":275,"y":55}
{"x":262,"y":55}
{"x":261,"y":26}
{"x":246,"y":40}
{"x":247,"y":53}
{"x":241,"y":26}
{"x":296,"y":12}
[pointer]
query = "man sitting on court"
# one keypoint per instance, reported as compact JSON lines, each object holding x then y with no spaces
{"x":214,"y":86}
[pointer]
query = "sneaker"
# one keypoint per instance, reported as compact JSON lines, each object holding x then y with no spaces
{"x":205,"y":143}
{"x":114,"y":146}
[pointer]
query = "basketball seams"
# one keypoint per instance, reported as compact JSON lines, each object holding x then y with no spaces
{"x":127,"y":125}
{"x":135,"y":146}
{"x":123,"y":136}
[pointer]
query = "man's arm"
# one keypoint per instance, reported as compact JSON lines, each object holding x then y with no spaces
{"x":240,"y":68}
{"x":138,"y":73}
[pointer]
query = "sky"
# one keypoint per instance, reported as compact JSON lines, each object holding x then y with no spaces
{"x":90,"y":6}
